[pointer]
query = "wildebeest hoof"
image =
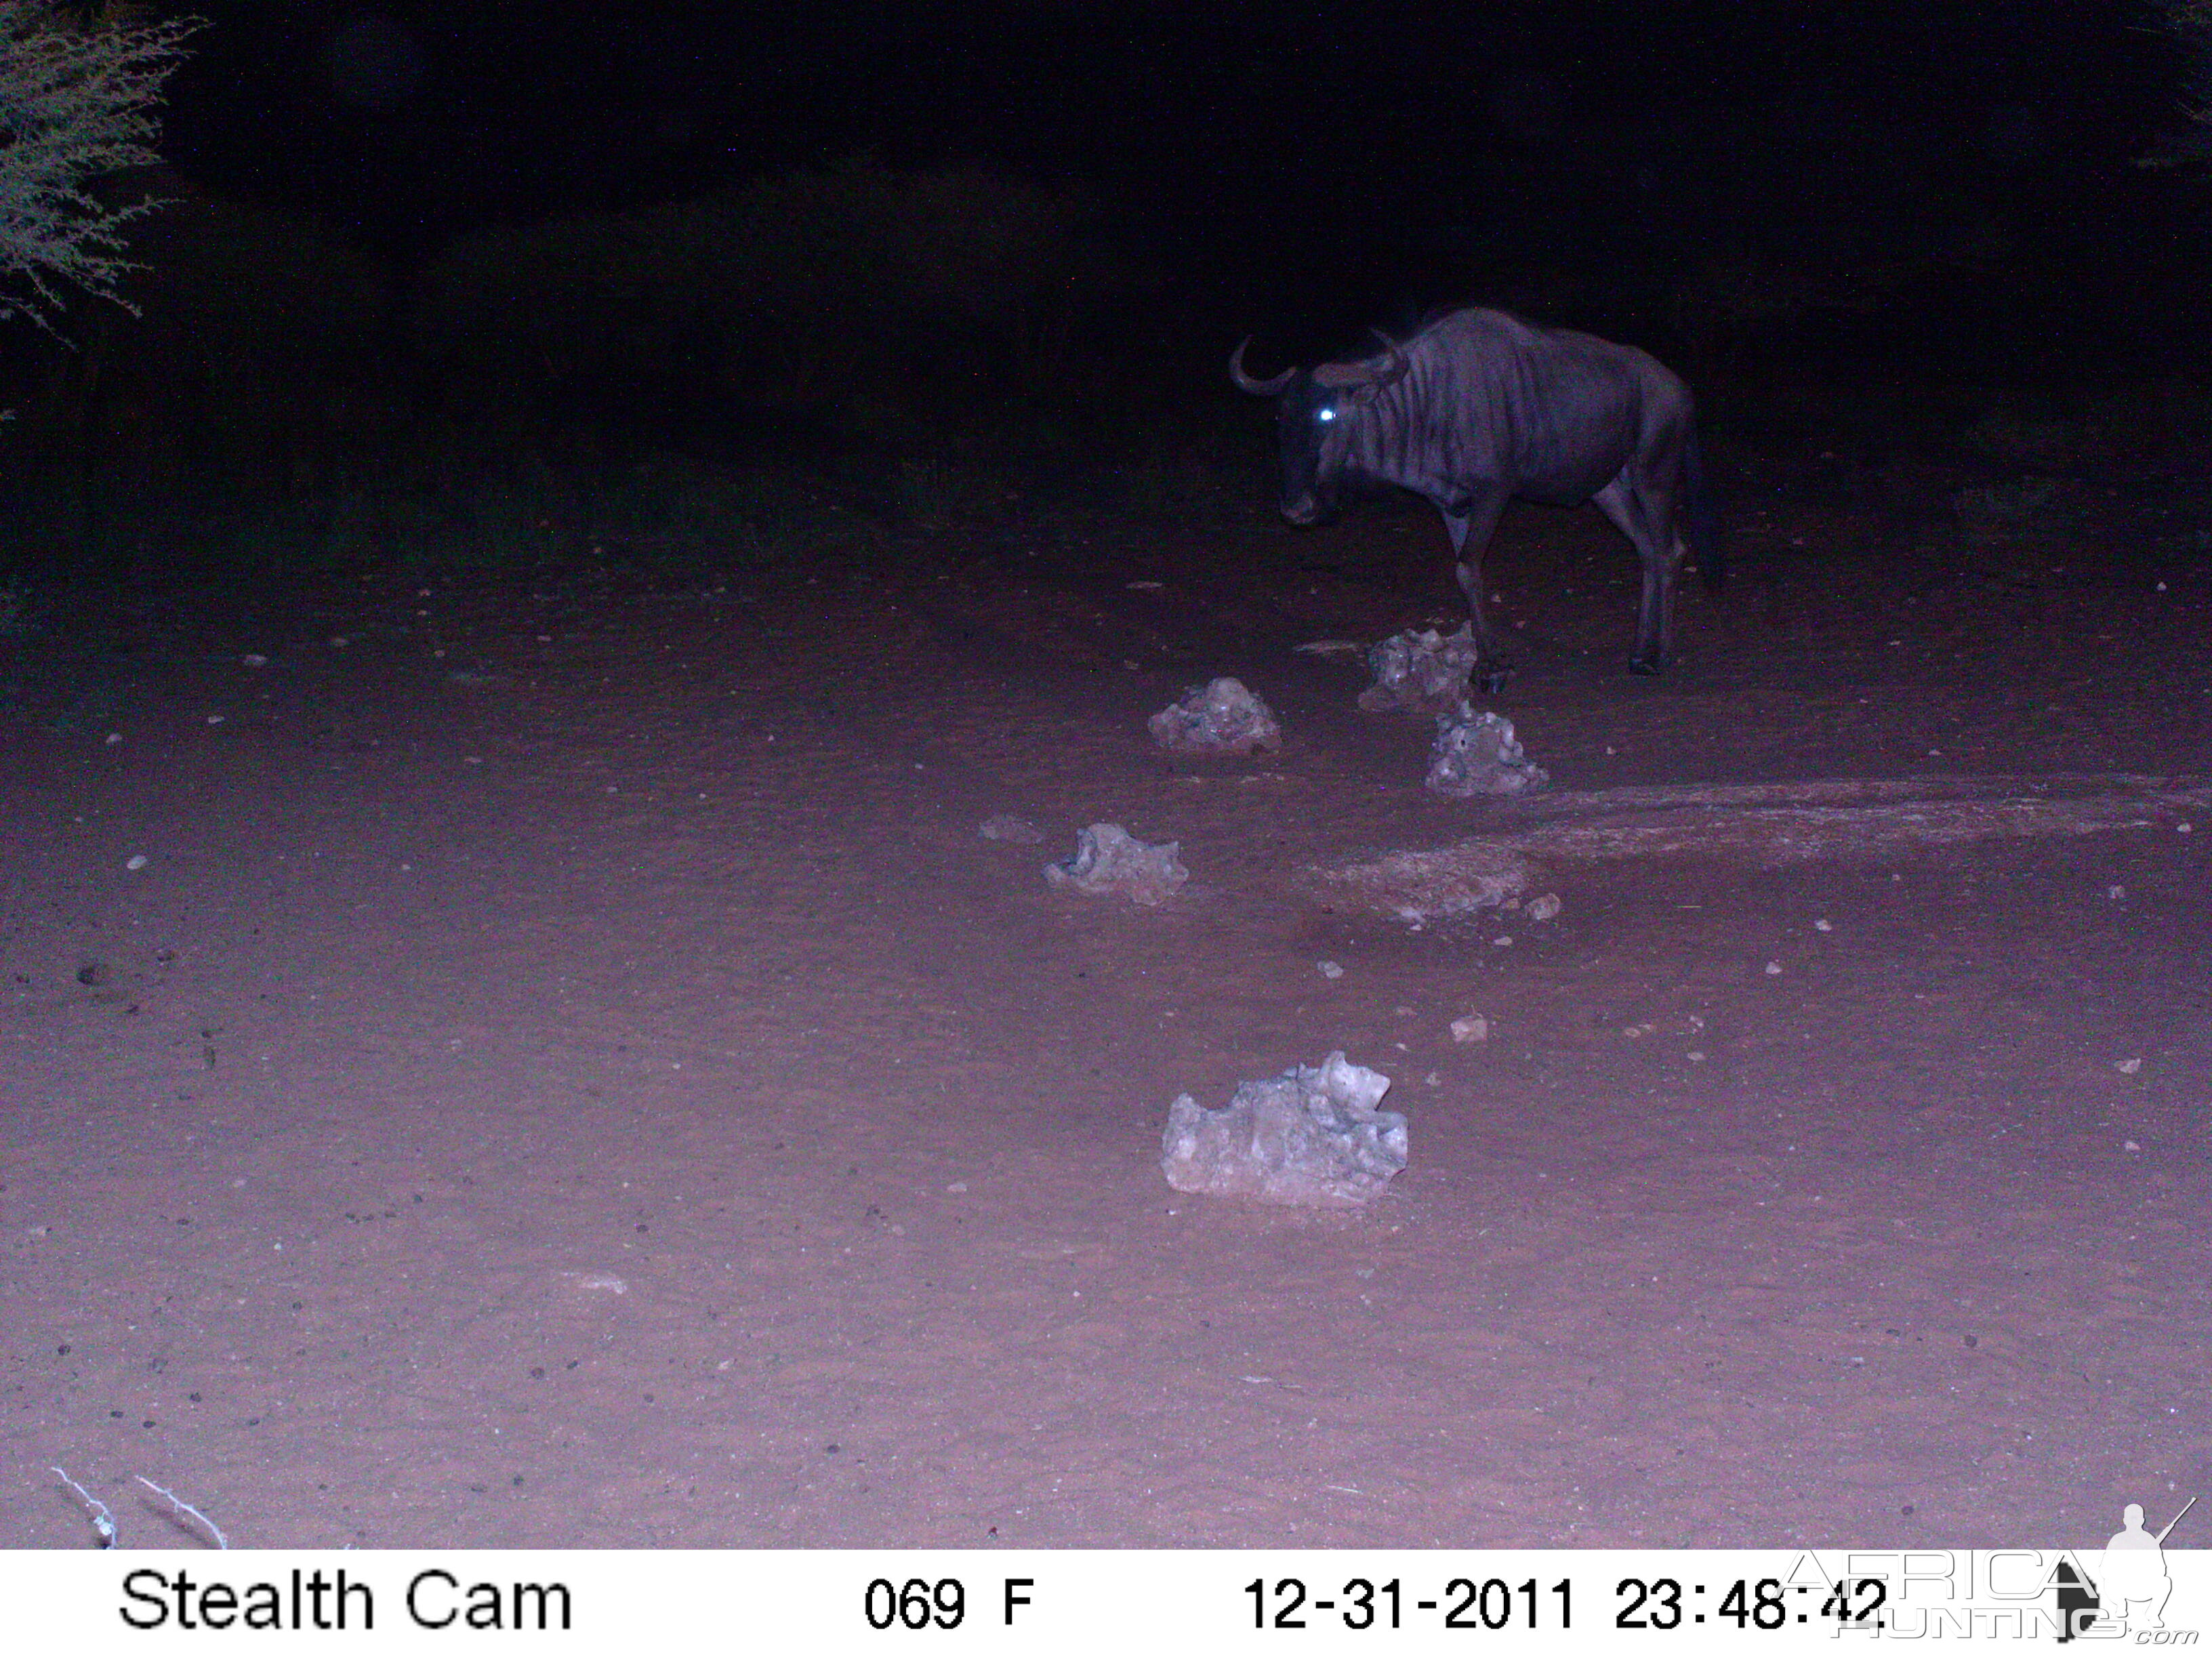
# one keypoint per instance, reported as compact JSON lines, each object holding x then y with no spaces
{"x":1641,"y":666}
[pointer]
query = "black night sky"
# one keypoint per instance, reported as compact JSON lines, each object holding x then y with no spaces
{"x":1347,"y":138}
{"x":1984,"y":194}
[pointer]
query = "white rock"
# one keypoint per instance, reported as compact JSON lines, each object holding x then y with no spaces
{"x":1423,"y":672}
{"x":1315,"y":1135}
{"x":1477,"y":755}
{"x":1109,"y":860}
{"x":1220,"y":719}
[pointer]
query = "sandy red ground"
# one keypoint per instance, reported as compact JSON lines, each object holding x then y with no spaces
{"x":615,"y":1097}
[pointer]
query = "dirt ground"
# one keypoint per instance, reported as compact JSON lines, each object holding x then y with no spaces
{"x":569,"y":1072}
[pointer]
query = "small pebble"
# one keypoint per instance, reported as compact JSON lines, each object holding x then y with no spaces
{"x":1330,"y":969}
{"x":1773,"y":967}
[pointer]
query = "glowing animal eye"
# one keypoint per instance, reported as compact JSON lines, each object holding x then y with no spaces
{"x":1325,"y":414}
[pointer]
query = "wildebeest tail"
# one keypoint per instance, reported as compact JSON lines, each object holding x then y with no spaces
{"x":1702,"y":519}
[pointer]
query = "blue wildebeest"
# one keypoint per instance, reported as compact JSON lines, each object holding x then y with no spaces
{"x":1479,"y":407}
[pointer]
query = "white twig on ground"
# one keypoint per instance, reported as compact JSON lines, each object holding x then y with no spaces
{"x":103,"y":1519}
{"x":183,"y":1508}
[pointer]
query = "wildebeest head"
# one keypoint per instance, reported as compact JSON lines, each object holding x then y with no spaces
{"x":1314,"y":410}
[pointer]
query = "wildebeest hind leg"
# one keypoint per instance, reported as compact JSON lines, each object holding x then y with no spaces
{"x":1658,"y":550}
{"x":1471,"y":528}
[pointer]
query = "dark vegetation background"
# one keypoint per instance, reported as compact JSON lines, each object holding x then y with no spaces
{"x":529,"y":280}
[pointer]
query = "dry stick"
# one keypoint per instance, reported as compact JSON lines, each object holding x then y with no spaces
{"x":214,"y":1531}
{"x":103,"y":1520}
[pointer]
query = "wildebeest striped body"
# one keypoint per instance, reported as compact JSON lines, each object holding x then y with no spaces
{"x":1481,"y":407}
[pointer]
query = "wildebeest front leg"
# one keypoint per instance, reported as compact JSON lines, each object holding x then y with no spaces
{"x":1659,"y":550}
{"x":1471,"y":523}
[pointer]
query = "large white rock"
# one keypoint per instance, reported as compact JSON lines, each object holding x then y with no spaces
{"x":1424,"y":671}
{"x":1109,"y":860}
{"x":1220,"y":718}
{"x":1477,"y":755}
{"x":1315,"y":1135}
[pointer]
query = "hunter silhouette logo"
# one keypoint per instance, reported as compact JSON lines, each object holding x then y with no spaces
{"x":2131,"y":1585}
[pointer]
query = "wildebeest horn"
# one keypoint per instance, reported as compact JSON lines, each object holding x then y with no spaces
{"x":1246,"y":383}
{"x":1341,"y":374}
